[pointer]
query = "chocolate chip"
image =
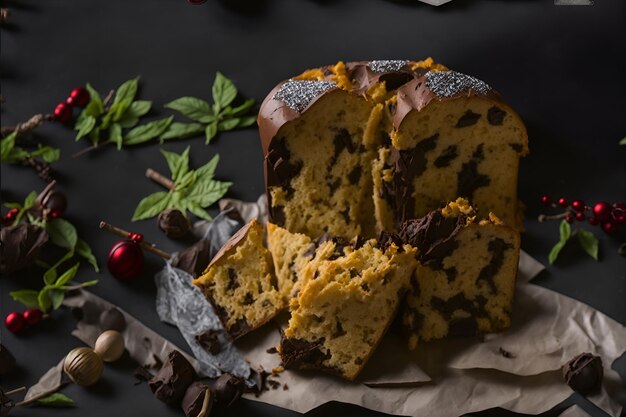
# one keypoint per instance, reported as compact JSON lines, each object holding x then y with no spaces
{"x":358,"y":361}
{"x":448,"y":155}
{"x":468,"y":178}
{"x":497,"y":247}
{"x":355,"y":175}
{"x":342,"y":140}
{"x":171,"y":382}
{"x":517,"y":147}
{"x":194,"y":399}
{"x":278,"y":215}
{"x":346,"y":215}
{"x":228,"y":389}
{"x":468,"y":119}
{"x":233,"y":283}
{"x":495,"y":115}
{"x":333,"y":184}
{"x":386,"y":239}
{"x":272,"y":350}
{"x":584,"y":373}
{"x":339,"y":331}
{"x":506,"y":353}
{"x":297,"y":352}
{"x":238,"y":329}
{"x":210,"y":341}
{"x":112,"y":319}
{"x":248,"y":299}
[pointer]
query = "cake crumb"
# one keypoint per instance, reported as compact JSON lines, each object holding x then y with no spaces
{"x":506,"y":353}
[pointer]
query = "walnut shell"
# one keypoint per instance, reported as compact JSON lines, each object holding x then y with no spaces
{"x":83,"y":366}
{"x":110,"y":346}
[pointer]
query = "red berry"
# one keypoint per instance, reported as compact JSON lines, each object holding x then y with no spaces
{"x":56,"y":203}
{"x":33,"y":316}
{"x":563,"y":202}
{"x":79,"y":97}
{"x":15,"y":322}
{"x":569,"y":218}
{"x":620,"y":206}
{"x":578,"y":205}
{"x":580,"y":216}
{"x":593,"y":221}
{"x":609,"y":227}
{"x":546,"y":200}
{"x":63,"y":113}
{"x":602,"y":210}
{"x":620,"y":218}
{"x":12,"y":214}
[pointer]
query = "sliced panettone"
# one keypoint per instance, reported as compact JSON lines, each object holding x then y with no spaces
{"x":465,"y":280}
{"x":240,"y":283}
{"x":348,"y":297}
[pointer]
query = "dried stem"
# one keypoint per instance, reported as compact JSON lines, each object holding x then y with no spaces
{"x":93,"y":147}
{"x":160,"y":179}
{"x":123,"y":233}
{"x":26,"y":126}
{"x":14,"y":391}
{"x":107,"y":99}
{"x":544,"y":217}
{"x":43,"y":169}
{"x":40,"y":396}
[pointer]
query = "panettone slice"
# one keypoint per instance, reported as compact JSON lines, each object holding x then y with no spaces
{"x":349,"y":295}
{"x":464,"y":282}
{"x":240,"y":283}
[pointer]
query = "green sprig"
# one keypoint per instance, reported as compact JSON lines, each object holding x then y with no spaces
{"x":10,"y":153}
{"x":587,"y":241}
{"x":211,"y":119}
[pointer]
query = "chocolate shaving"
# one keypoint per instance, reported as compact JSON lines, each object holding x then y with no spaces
{"x":171,"y":382}
{"x":194,"y":259}
{"x":20,"y":246}
{"x":210,"y":341}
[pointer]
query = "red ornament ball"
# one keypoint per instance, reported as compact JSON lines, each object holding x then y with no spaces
{"x":609,"y":227}
{"x":593,"y":221}
{"x":563,"y":202}
{"x":580,"y":216}
{"x":79,"y":97}
{"x":15,"y":322}
{"x":602,"y":210}
{"x":578,"y":205}
{"x":62,"y":113}
{"x":125,"y":260}
{"x":33,"y":316}
{"x":546,"y":200}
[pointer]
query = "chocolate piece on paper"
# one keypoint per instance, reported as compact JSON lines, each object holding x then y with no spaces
{"x":173,"y":379}
{"x":20,"y":246}
{"x":584,"y":373}
{"x":228,"y":389}
{"x":194,"y":399}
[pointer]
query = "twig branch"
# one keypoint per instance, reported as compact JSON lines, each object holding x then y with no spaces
{"x":92,"y":148}
{"x":40,"y":396}
{"x":14,"y":391}
{"x":26,"y":126}
{"x":544,"y":217}
{"x":160,"y":179}
{"x":146,"y":245}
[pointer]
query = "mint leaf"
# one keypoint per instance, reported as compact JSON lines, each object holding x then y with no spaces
{"x":50,"y":276}
{"x":623,"y":141}
{"x":85,"y":126}
{"x":115,"y":135}
{"x":224,"y":91}
{"x":56,"y":400}
{"x":83,"y":249}
{"x":26,"y":297}
{"x":198,"y":211}
{"x":182,"y":131}
{"x":228,"y":124}
{"x":192,"y":107}
{"x":47,"y":153}
{"x":247,"y":121}
{"x":118,"y":111}
{"x":95,"y":107}
{"x":144,"y":133}
{"x":62,"y":233}
{"x":56,"y":297}
{"x":151,"y":205}
{"x":206,"y":171}
{"x":589,"y":242}
{"x":67,"y":276}
{"x":139,"y":108}
{"x":6,"y":146}
{"x":207,"y":192}
{"x":126,"y":92}
{"x":44,"y":300}
{"x":210,"y":132}
{"x":565,"y":232}
{"x":30,"y":199}
{"x":239,"y":110}
{"x":178,"y":164}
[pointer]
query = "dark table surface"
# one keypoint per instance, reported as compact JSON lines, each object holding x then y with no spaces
{"x":562,"y":68}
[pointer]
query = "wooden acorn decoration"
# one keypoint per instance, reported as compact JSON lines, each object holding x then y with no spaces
{"x":110,"y":346}
{"x":84,"y":366}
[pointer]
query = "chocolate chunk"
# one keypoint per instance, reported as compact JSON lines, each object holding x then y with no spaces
{"x":194,"y":259}
{"x":20,"y":245}
{"x":517,"y":147}
{"x":210,"y":341}
{"x":395,"y":80}
{"x":339,"y":331}
{"x":278,"y":215}
{"x":448,"y":155}
{"x":141,"y":374}
{"x":248,"y":299}
{"x":358,"y":242}
{"x":194,"y":399}
{"x":233,"y":283}
{"x":273,"y":383}
{"x":506,"y":353}
{"x":7,"y":361}
{"x":272,"y":350}
{"x":228,"y":389}
{"x":469,"y":180}
{"x":346,"y":215}
{"x":342,"y":140}
{"x":495,"y":115}
{"x":457,"y":302}
{"x":333,"y":184}
{"x":584,"y":373}
{"x":173,"y":379}
{"x":298,"y":352}
{"x":238,"y":329}
{"x":468,"y":119}
{"x":451,"y":274}
{"x":281,"y":170}
{"x":112,"y":319}
{"x":355,"y":175}
{"x":386,"y":239}
{"x":496,"y":247}
{"x":174,"y":223}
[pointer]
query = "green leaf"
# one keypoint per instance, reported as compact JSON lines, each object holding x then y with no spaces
{"x":623,"y":141}
{"x":240,"y":110}
{"x":13,"y":205}
{"x":589,"y":242}
{"x":565,"y":232}
{"x":95,"y":107}
{"x":62,"y":233}
{"x":30,"y":199}
{"x":115,"y":135}
{"x":56,"y":297}
{"x":26,"y":297}
{"x":178,"y":164}
{"x":56,"y":400}
{"x":85,"y":126}
{"x":224,"y":91}
{"x":88,"y":283}
{"x":50,"y":276}
{"x":6,"y":146}
{"x":151,"y":205}
{"x":126,"y":92}
{"x":144,"y":133}
{"x":120,"y":109}
{"x":67,"y":276}
{"x":139,"y":108}
{"x":210,"y":132}
{"x":83,"y":249}
{"x":198,"y":211}
{"x":44,"y":300}
{"x":247,"y":121}
{"x":182,"y":131}
{"x":206,"y":171}
{"x":192,"y":107}
{"x":47,"y":153}
{"x":205,"y":193}
{"x":228,"y":124}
